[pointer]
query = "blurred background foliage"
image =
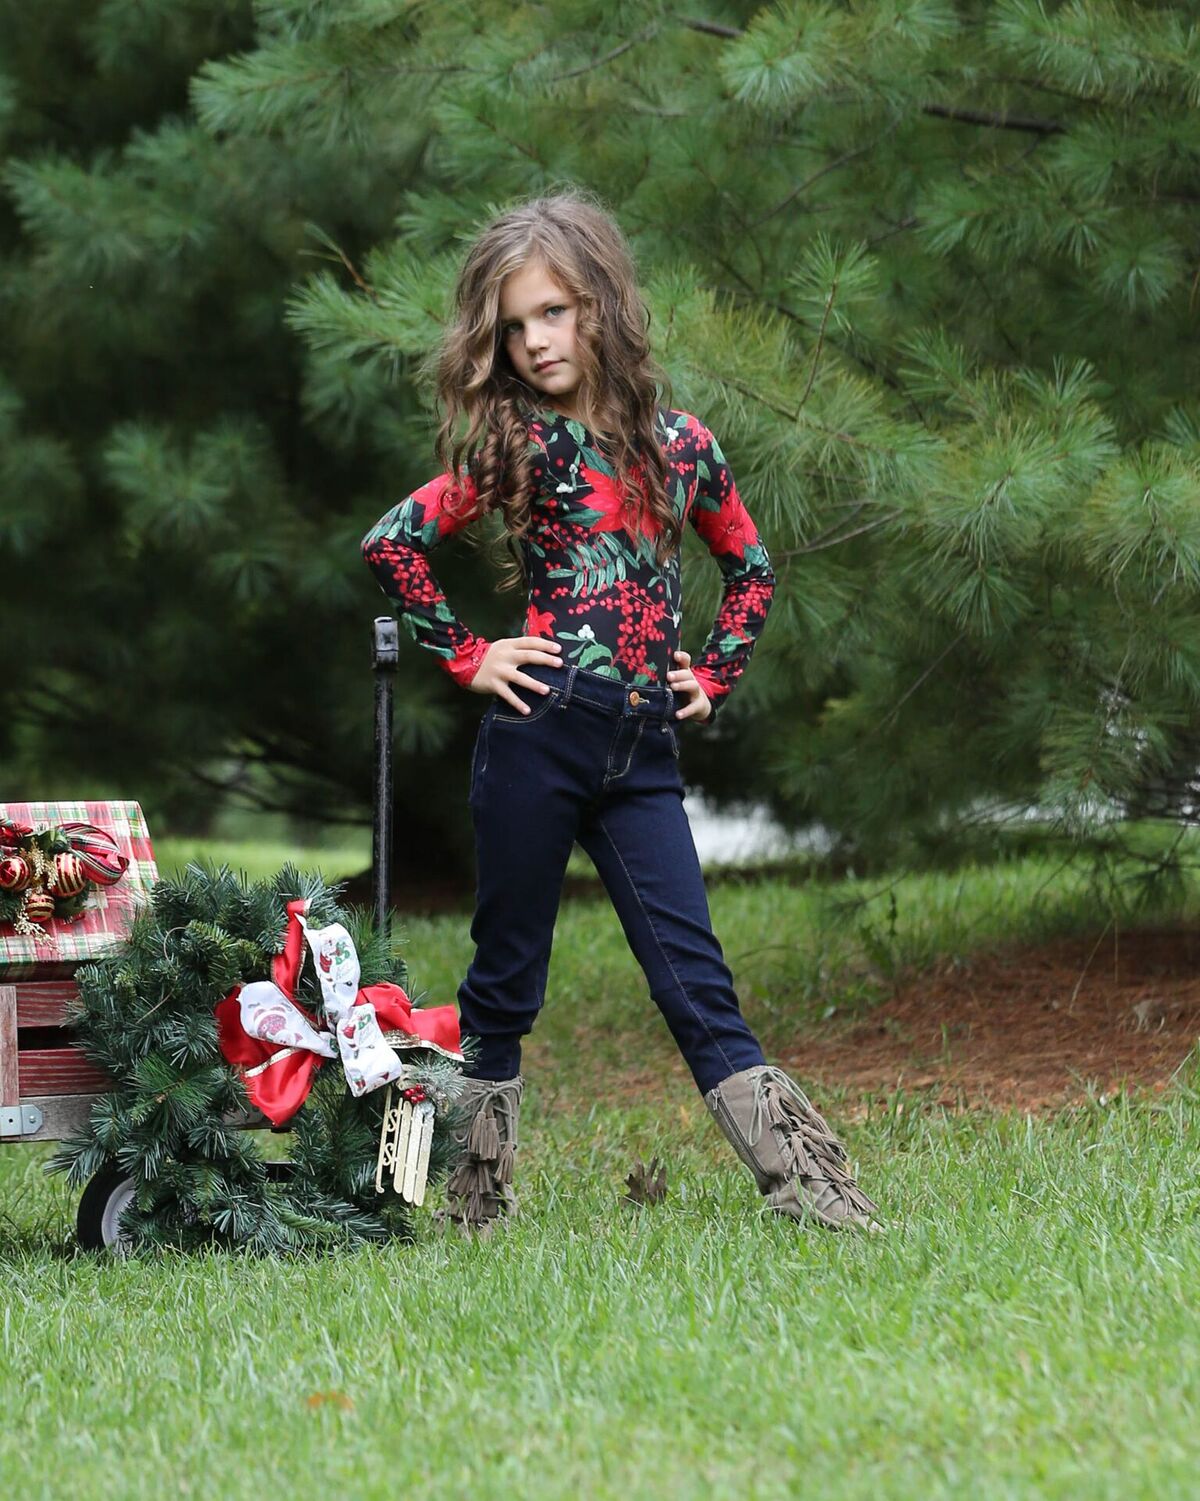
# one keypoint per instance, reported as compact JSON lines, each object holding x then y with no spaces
{"x":928,"y":270}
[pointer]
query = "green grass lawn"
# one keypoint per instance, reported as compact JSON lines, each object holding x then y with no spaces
{"x":340,"y":857}
{"x":1027,"y":1327}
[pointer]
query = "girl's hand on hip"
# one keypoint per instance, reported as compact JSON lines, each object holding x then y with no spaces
{"x":502,"y":663}
{"x":683,"y":680}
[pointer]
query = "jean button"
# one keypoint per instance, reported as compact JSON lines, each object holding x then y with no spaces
{"x":635,"y":698}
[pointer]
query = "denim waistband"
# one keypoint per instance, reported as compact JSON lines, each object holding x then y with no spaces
{"x":577,"y":685}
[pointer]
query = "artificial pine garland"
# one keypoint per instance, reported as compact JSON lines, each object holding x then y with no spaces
{"x":145,"y":1016}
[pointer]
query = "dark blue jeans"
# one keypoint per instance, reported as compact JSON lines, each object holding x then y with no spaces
{"x":595,"y":761}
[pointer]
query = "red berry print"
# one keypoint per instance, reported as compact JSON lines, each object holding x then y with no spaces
{"x":594,"y":582}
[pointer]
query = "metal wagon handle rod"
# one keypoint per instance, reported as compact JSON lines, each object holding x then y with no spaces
{"x":385,"y":654}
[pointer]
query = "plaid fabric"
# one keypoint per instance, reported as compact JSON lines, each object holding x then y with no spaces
{"x":109,"y":909}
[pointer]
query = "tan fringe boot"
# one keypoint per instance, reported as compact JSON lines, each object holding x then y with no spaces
{"x":797,"y":1161}
{"x":480,"y":1188}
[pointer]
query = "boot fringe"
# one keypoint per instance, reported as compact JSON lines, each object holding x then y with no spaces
{"x":799,"y":1164}
{"x":483,"y":1139}
{"x":478,"y":1191}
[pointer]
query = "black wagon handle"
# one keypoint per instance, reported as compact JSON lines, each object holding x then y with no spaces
{"x":385,"y":653}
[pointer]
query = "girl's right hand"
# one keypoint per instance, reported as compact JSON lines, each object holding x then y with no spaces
{"x":502,"y":663}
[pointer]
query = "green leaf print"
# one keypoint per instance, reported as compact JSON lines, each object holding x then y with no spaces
{"x":388,"y":527}
{"x":646,"y":553}
{"x":593,"y":567}
{"x":589,"y":650}
{"x":594,"y":459}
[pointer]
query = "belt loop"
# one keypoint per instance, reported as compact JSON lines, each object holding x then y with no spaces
{"x":564,"y":697}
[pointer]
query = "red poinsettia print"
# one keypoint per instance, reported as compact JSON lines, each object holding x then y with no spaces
{"x":448,"y":504}
{"x":595,"y":584}
{"x":728,"y":530}
{"x":539,"y":622}
{"x":617,"y":514}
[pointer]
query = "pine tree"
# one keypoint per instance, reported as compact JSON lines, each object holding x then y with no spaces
{"x":926,"y":270}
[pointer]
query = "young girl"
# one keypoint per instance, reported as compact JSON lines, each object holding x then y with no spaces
{"x":548,"y":361}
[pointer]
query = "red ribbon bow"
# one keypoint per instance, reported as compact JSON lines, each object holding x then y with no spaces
{"x":277,"y":1079}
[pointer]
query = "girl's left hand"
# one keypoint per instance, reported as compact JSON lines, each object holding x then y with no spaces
{"x":683,"y":680}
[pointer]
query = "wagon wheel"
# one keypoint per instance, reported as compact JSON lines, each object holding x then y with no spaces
{"x":98,"y":1223}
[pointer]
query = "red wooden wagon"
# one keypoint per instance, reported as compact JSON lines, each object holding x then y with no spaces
{"x":47,"y":1086}
{"x":46,"y":1091}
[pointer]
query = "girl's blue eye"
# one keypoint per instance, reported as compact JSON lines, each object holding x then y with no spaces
{"x":512,"y":328}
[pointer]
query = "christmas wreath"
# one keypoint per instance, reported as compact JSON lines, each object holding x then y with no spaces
{"x":48,"y":872}
{"x":228,"y":999}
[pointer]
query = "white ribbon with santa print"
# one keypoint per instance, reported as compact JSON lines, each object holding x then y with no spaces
{"x":367,"y":1060}
{"x":355,"y":1036}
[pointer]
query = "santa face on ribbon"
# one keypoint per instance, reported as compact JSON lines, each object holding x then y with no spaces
{"x":266,"y":1013}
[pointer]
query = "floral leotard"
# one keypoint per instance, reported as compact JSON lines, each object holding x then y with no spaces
{"x":594,"y":582}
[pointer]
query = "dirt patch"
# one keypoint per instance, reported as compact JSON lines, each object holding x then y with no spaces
{"x":1034,"y":1029}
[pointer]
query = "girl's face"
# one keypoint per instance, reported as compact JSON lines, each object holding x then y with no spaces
{"x":537,"y":330}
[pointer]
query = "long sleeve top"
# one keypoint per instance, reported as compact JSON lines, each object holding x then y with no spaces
{"x":594,"y":582}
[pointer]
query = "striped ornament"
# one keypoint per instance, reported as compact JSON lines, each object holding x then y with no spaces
{"x":69,"y":876}
{"x":39,"y":905}
{"x":15,"y":873}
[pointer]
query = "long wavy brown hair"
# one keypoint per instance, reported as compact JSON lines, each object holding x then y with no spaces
{"x":621,"y":385}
